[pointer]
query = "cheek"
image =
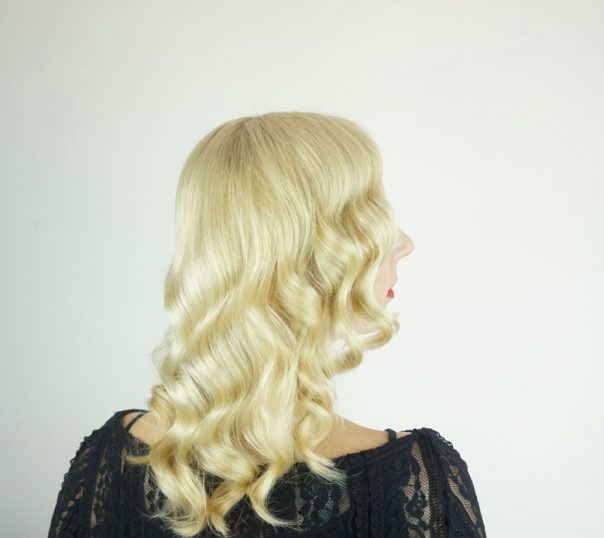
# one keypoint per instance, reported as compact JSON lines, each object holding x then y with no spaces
{"x":381,"y":280}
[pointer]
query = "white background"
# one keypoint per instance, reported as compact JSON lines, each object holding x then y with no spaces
{"x":489,"y":116}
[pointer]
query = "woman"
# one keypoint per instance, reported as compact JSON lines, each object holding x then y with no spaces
{"x":285,"y":247}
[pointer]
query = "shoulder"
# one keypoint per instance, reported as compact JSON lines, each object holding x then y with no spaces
{"x":349,"y":437}
{"x":97,"y":435}
{"x":370,"y":438}
{"x":461,"y":499}
{"x":92,"y":449}
{"x":138,"y":424}
{"x":129,"y":419}
{"x":440,"y":443}
{"x":91,"y":474}
{"x":453,"y":467}
{"x":103,"y":434}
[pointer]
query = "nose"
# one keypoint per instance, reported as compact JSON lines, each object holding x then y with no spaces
{"x":405,"y":245}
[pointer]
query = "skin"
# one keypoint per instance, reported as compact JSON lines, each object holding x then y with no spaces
{"x":386,"y":276}
{"x":352,"y":437}
{"x":348,"y":437}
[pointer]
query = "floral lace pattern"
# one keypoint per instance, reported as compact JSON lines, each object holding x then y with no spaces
{"x":414,"y":486}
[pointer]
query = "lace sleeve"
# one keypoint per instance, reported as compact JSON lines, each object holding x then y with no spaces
{"x":465,"y":518}
{"x":69,"y":518}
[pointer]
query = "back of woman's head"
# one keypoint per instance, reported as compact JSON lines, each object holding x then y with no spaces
{"x":281,"y":227}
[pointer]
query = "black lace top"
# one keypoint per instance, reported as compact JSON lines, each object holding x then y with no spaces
{"x":413,"y":486}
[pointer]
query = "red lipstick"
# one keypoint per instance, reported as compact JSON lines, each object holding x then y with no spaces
{"x":390,"y":293}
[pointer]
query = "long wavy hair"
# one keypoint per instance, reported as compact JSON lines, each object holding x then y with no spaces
{"x":281,"y":227}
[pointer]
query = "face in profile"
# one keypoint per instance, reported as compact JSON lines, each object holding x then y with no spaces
{"x":386,"y":277}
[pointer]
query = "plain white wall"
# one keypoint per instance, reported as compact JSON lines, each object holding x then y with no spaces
{"x":489,"y":116}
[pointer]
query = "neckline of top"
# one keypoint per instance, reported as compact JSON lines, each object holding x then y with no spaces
{"x":352,"y":458}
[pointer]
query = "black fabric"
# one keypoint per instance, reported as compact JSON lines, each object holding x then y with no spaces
{"x":414,"y":486}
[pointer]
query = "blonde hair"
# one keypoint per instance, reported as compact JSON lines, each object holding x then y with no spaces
{"x":281,"y":227}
